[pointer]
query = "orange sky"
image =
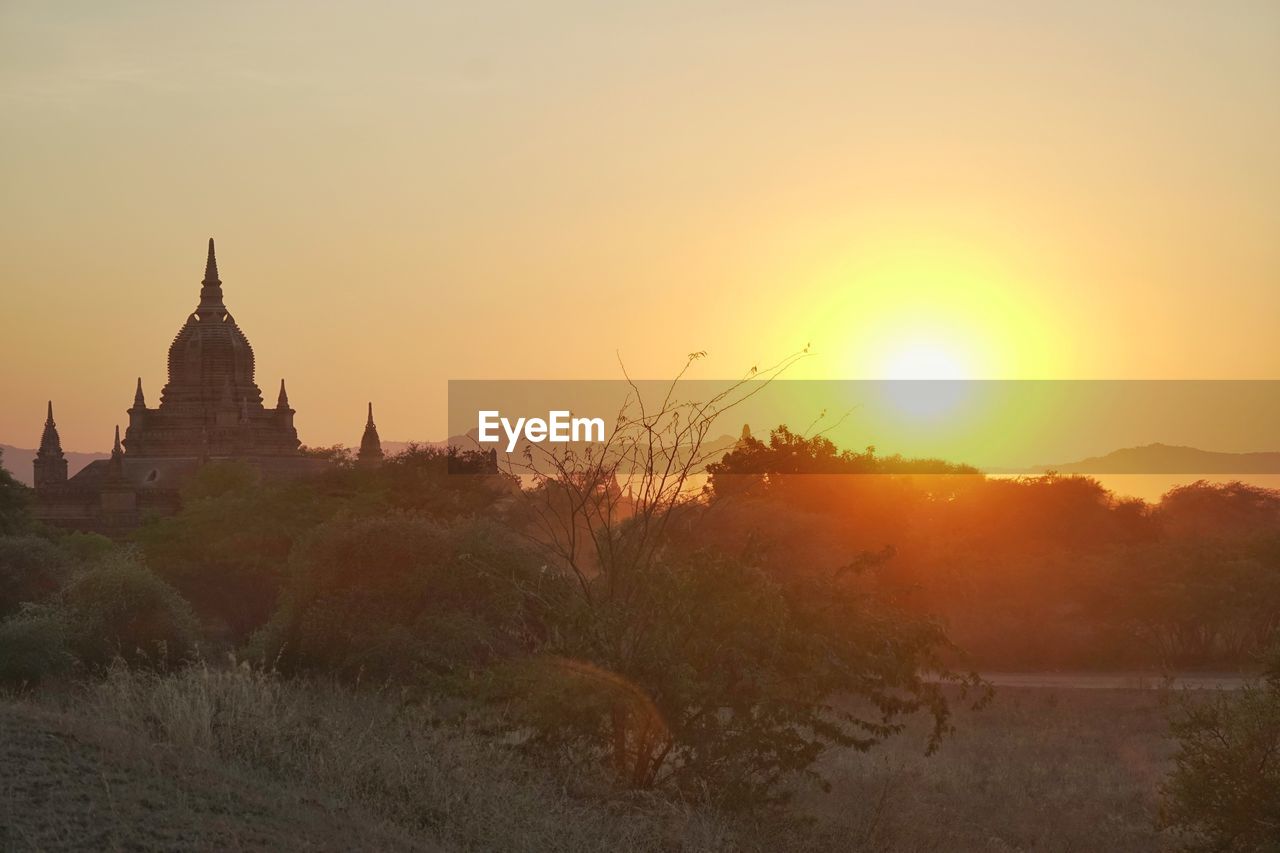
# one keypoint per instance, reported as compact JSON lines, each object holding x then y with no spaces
{"x":403,"y":195}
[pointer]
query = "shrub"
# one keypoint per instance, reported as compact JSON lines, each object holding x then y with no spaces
{"x":31,"y":570}
{"x":33,"y":646}
{"x":120,"y":609}
{"x":226,"y":552}
{"x":405,"y":598}
{"x":710,"y":676}
{"x":15,"y":514}
{"x":1224,"y":791}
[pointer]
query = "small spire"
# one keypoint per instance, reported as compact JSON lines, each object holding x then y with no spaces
{"x":139,"y":402}
{"x":50,"y":465}
{"x":370,"y":445}
{"x":211,"y":291}
{"x":115,"y":465}
{"x":50,"y":441}
{"x":211,"y":267}
{"x":283,"y":402}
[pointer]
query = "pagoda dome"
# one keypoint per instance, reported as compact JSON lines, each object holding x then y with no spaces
{"x":210,"y":354}
{"x":210,"y":350}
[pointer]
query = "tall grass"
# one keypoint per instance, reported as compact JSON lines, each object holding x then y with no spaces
{"x":395,"y":756}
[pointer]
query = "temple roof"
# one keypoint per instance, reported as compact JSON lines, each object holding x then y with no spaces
{"x":210,"y":352}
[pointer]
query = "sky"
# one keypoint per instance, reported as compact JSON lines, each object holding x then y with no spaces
{"x":407,"y":193}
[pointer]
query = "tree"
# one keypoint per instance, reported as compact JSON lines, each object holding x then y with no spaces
{"x":677,"y":665}
{"x":32,"y":569}
{"x":120,"y":609}
{"x":402,"y":597}
{"x":14,"y":500}
{"x":1224,"y":792}
{"x":227,"y":551}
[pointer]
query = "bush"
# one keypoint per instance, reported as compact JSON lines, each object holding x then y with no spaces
{"x":1224,"y":792}
{"x":120,"y":609}
{"x":404,"y":598}
{"x":33,"y":646}
{"x":31,"y":570}
{"x":712,"y":677}
{"x":226,"y":552}
{"x":15,"y":515}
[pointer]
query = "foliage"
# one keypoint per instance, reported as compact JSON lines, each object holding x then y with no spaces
{"x":753,"y":466}
{"x":710,"y":676}
{"x":14,"y":500}
{"x":1197,"y":601}
{"x":440,"y":482}
{"x":227,"y":551}
{"x":120,"y":609}
{"x":1224,"y":791}
{"x":696,"y":668}
{"x":85,"y":547}
{"x":33,"y":646}
{"x":31,"y":570}
{"x":403,"y":597}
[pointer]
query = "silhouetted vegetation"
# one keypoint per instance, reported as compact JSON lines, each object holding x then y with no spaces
{"x":615,"y":619}
{"x":14,"y":500}
{"x":1224,"y":792}
{"x":1082,"y":578}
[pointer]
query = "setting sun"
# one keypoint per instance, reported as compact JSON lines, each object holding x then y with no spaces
{"x":924,"y":360}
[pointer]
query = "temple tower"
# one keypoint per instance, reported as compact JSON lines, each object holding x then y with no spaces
{"x":210,"y":407}
{"x":370,"y":445}
{"x":50,"y":463}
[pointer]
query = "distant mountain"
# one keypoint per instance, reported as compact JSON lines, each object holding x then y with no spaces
{"x":18,"y":461}
{"x":1167,"y":459}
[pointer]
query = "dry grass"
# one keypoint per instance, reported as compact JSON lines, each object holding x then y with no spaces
{"x":389,"y":761}
{"x":69,"y":782}
{"x":1040,"y":769}
{"x":231,"y":759}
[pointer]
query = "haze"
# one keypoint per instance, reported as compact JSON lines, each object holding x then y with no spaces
{"x":404,"y":194}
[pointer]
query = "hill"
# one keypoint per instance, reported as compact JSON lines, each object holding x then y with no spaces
{"x":1170,"y":459}
{"x":17,"y":460}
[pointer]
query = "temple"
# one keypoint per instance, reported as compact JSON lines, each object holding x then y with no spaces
{"x":210,"y":409}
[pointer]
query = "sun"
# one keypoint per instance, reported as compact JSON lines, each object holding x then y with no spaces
{"x":924,"y":359}
{"x":924,"y":380}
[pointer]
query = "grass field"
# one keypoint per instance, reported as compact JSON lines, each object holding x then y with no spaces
{"x":1044,"y":769}
{"x":229,"y":760}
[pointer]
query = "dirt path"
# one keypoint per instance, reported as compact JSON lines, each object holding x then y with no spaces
{"x":1115,"y":680}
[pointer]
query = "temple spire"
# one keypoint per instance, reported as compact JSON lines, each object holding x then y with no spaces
{"x":139,"y":402}
{"x":283,"y":401}
{"x":50,"y":464}
{"x":211,"y":291}
{"x":50,"y":441}
{"x":370,"y":445}
{"x":115,"y":465}
{"x":211,"y":266}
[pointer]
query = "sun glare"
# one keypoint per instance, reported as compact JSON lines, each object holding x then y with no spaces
{"x":924,"y":379}
{"x":924,"y":360}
